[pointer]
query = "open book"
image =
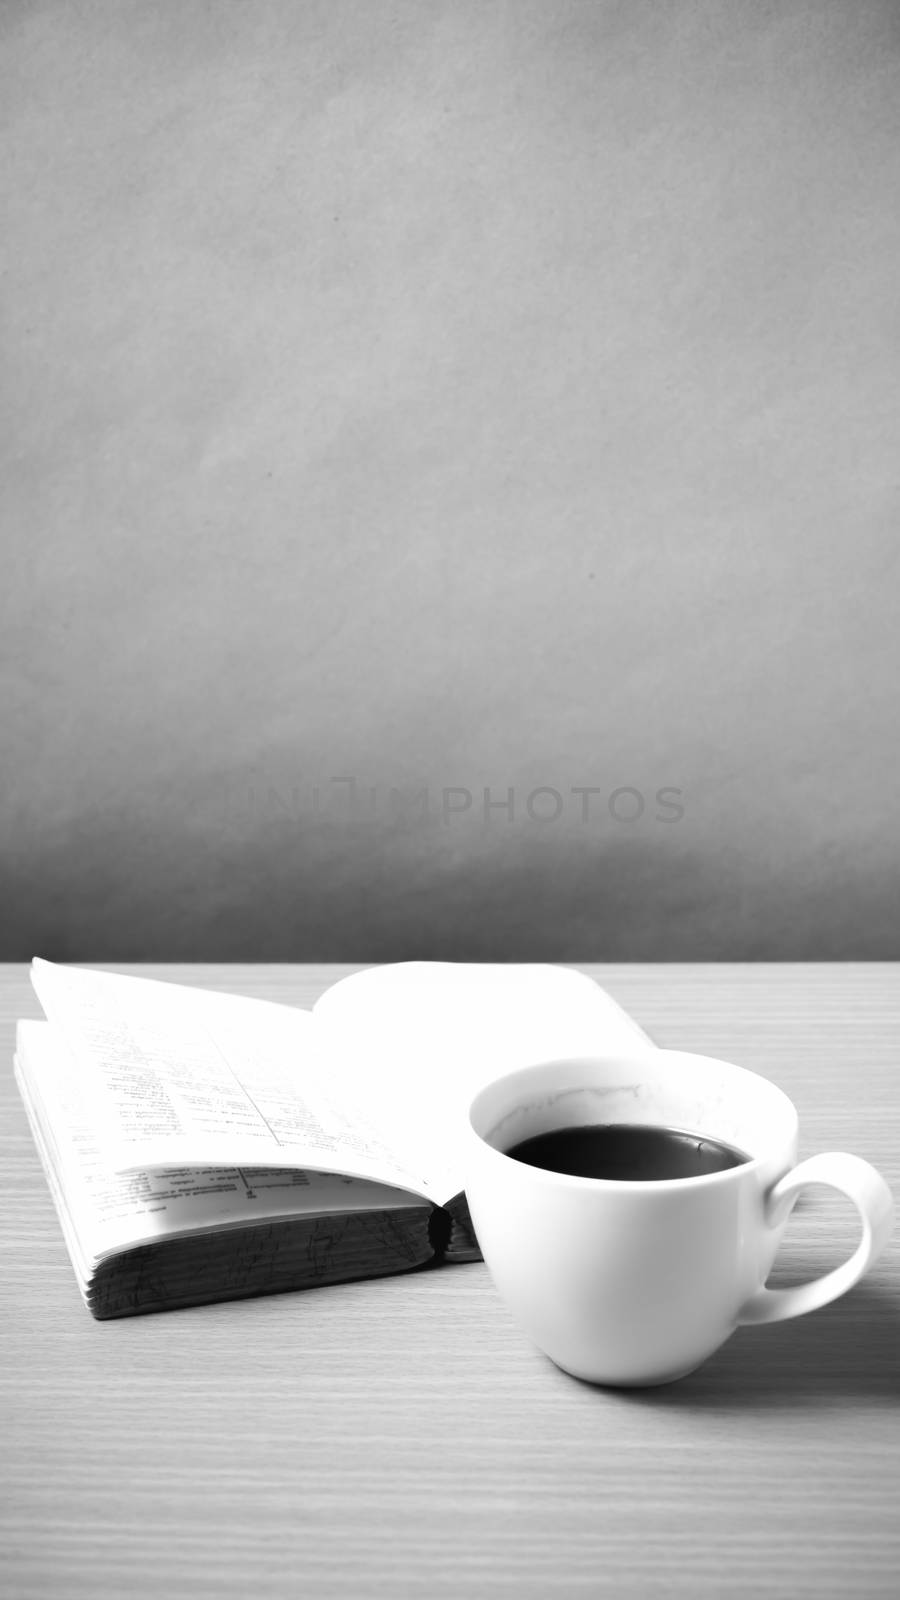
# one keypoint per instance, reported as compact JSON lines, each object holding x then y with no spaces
{"x":201,"y":1146}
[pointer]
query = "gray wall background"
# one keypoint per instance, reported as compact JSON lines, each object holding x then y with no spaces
{"x":449,"y":396}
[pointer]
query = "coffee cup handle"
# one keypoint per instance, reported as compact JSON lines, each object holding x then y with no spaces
{"x":870,"y":1194}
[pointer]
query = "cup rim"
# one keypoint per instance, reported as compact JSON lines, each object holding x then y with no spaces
{"x":630,"y":1185}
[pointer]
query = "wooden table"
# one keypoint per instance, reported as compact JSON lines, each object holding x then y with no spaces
{"x":399,"y":1438}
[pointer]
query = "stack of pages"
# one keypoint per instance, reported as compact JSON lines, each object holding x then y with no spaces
{"x":203,"y":1146}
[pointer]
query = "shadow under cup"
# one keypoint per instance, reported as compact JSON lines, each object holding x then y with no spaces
{"x":629,"y":1282}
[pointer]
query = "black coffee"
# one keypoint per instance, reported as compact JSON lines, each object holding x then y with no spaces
{"x":627,"y":1152}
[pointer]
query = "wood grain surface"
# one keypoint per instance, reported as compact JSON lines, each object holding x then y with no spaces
{"x":400,"y":1438}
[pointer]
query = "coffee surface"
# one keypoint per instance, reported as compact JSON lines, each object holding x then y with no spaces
{"x":627,"y":1152}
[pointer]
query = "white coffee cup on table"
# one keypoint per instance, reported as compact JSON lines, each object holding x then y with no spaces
{"x":638,"y":1281}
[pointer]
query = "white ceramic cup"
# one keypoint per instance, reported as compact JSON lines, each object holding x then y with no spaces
{"x":639,"y":1282}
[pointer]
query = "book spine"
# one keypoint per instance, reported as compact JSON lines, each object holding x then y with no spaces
{"x":440,"y":1227}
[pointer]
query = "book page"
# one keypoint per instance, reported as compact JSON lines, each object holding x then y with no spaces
{"x":110,"y":1211}
{"x":178,"y":1077}
{"x":412,"y":1043}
